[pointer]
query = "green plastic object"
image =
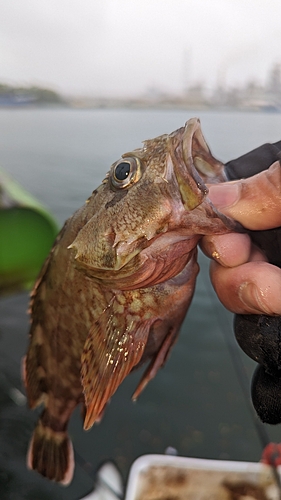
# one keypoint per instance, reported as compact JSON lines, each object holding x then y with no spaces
{"x":27,"y":232}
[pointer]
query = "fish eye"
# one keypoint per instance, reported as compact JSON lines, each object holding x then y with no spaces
{"x":122,"y":170}
{"x":125,"y":172}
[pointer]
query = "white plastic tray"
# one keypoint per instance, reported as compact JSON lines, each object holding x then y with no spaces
{"x":163,"y":477}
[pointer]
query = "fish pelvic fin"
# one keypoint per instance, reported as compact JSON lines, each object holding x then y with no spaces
{"x":158,"y":360}
{"x":50,"y":452}
{"x":113,"y":347}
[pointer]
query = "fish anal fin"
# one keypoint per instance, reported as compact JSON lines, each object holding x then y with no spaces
{"x":113,"y":347}
{"x":157,"y":362}
{"x":51,"y":453}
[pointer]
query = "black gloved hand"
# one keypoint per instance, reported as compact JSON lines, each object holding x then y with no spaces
{"x":260,"y":335}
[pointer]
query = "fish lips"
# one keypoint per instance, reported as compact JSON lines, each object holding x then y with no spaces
{"x":193,"y":164}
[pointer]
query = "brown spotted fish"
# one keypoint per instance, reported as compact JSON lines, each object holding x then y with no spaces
{"x":116,"y":286}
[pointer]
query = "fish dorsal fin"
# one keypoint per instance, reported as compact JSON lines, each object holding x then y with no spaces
{"x":114,"y":345}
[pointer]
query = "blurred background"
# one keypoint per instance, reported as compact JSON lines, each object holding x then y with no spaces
{"x":80,"y":84}
{"x":224,"y":53}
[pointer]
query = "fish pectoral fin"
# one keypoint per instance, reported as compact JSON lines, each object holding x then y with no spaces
{"x":113,"y":347}
{"x":157,"y":362}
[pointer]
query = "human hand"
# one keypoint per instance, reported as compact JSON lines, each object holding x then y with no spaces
{"x":242,"y":278}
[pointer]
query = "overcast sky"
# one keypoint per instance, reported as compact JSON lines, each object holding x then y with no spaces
{"x":125,"y":47}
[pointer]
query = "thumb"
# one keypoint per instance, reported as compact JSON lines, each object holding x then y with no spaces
{"x":255,"y":202}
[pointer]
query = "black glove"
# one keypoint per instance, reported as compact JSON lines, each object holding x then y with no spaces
{"x":260,"y":335}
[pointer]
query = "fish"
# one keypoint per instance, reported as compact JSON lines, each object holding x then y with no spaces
{"x":116,"y":286}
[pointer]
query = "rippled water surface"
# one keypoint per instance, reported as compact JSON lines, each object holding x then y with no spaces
{"x":195,"y":404}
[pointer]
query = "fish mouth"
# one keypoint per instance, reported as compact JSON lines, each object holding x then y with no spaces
{"x":194,"y":164}
{"x":195,"y":146}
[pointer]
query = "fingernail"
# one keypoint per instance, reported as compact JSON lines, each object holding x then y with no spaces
{"x":250,"y":296}
{"x":224,"y":195}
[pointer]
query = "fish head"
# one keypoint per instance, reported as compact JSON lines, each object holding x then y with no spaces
{"x":147,"y":193}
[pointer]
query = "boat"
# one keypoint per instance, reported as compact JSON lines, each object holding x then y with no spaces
{"x":27,"y":232}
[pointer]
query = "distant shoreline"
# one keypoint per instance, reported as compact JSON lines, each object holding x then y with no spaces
{"x":12,"y":97}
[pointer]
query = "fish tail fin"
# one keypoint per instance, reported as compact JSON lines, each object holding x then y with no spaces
{"x":50,"y":452}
